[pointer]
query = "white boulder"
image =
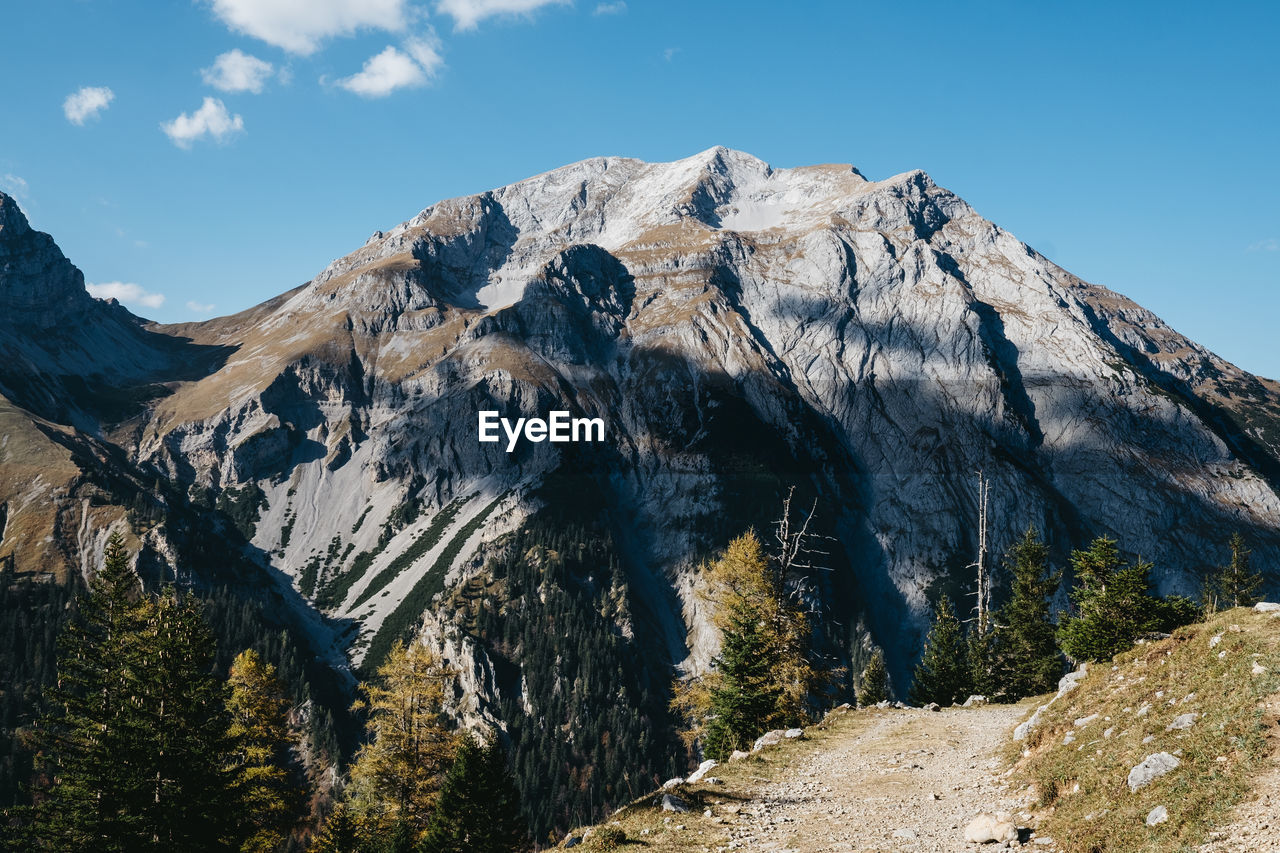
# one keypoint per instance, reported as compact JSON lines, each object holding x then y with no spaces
{"x":1152,"y":768}
{"x":703,"y":769}
{"x":987,"y":828}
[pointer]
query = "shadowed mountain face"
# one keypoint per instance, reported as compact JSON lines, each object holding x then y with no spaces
{"x":740,"y":330}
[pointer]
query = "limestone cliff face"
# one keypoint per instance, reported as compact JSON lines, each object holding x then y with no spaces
{"x":740,"y":329}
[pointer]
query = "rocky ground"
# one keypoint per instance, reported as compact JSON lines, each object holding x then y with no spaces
{"x":910,"y":780}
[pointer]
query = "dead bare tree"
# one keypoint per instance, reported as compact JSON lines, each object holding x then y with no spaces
{"x":796,"y":549}
{"x":983,"y":570}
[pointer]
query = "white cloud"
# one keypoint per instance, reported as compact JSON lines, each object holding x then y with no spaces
{"x":670,"y":53}
{"x":610,"y":8}
{"x":467,"y":14}
{"x":127,"y":292}
{"x":85,"y":104}
{"x":197,"y":308}
{"x":1271,"y":244}
{"x":237,"y":71}
{"x":14,"y":186}
{"x":212,"y":120}
{"x":300,"y":26}
{"x":393,"y":69}
{"x":426,"y":52}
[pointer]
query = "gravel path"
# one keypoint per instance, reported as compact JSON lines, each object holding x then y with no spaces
{"x":910,"y":781}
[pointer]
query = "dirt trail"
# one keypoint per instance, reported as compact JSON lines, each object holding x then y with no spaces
{"x":910,"y":780}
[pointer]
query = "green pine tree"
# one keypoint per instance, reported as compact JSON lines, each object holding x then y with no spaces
{"x":92,"y":738}
{"x":943,"y":675}
{"x":1236,"y":584}
{"x":137,"y":742}
{"x":875,"y":681}
{"x":746,"y":694}
{"x":340,"y":833}
{"x":191,"y":803}
{"x":1113,"y":605}
{"x":1026,"y":656}
{"x":479,"y":807}
{"x":400,"y":839}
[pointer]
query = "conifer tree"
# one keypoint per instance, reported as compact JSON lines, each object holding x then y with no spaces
{"x":942,"y":675}
{"x":746,"y":695}
{"x":1027,"y":660}
{"x":339,"y":834}
{"x":1113,"y":605}
{"x":260,"y":736}
{"x":191,"y":802}
{"x":138,"y":740}
{"x":875,"y":681}
{"x":399,"y":840}
{"x":1236,"y":584}
{"x":398,"y":772}
{"x":92,"y":738}
{"x":479,"y":807}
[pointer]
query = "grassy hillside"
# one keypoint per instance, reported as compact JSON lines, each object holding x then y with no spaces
{"x":1079,"y":757}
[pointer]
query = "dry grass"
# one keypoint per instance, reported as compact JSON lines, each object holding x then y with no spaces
{"x":1082,"y":785}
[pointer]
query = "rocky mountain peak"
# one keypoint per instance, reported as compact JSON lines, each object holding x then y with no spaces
{"x":13,"y":223}
{"x":38,"y":285}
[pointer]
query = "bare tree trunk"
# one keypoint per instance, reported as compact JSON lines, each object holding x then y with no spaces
{"x":984,"y":573}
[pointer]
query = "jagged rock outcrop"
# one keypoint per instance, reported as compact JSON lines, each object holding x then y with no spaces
{"x":39,"y":287}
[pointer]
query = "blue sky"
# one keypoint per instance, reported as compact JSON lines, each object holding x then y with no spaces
{"x":217,"y":152}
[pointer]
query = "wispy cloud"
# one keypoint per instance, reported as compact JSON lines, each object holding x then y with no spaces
{"x":670,"y":53}
{"x":302,"y":26}
{"x":127,"y":292}
{"x":394,"y":69}
{"x":1271,"y":244}
{"x":211,"y":120}
{"x":237,"y":71}
{"x":467,"y":14}
{"x":610,"y":8}
{"x":14,"y":186}
{"x":87,"y":103}
{"x":197,"y":308}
